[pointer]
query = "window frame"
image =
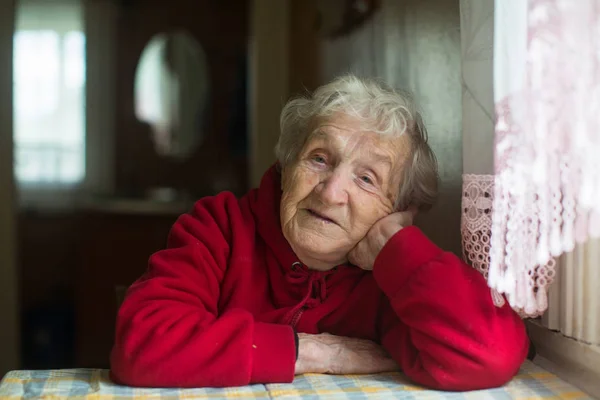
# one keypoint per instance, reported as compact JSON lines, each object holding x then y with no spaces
{"x":99,"y":26}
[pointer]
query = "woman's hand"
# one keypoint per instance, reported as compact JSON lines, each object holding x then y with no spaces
{"x":339,"y":355}
{"x":363,"y":255}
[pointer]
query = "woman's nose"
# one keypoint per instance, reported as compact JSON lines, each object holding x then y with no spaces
{"x":334,"y":189}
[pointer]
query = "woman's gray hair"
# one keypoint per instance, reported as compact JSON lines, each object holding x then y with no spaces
{"x":381,"y":109}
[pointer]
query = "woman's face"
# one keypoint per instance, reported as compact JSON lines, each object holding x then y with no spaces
{"x":344,"y":180}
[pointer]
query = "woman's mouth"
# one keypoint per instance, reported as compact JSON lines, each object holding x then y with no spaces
{"x":320,"y":216}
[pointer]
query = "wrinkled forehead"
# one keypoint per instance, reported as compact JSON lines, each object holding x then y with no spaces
{"x":354,"y":140}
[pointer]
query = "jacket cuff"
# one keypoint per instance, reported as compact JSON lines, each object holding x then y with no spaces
{"x":274,"y":353}
{"x":297,"y":340}
{"x":402,"y":255}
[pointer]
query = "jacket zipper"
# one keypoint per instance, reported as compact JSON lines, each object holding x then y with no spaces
{"x":297,"y":316}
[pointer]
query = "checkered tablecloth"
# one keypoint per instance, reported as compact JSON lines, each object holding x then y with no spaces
{"x":532,"y":382}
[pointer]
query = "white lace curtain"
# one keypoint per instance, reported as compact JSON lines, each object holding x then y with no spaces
{"x":541,"y":197}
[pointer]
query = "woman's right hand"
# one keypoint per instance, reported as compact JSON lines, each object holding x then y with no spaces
{"x":339,"y":355}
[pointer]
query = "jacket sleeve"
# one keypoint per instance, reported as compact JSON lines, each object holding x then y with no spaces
{"x":170,"y":332}
{"x":439,"y":321}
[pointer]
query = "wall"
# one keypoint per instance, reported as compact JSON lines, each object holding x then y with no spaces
{"x":423,"y":55}
{"x":269,"y":80}
{"x":415,"y":45}
{"x":9,"y":340}
{"x":304,"y":47}
{"x":100,"y":19}
{"x":477,"y":36}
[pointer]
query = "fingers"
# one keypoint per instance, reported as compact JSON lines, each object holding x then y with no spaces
{"x":407,"y":217}
{"x":412,"y":210}
{"x":368,"y":360}
{"x":388,"y":365}
{"x":410,"y":214}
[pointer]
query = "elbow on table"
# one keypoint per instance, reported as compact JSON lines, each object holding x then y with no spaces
{"x":149,"y":367}
{"x":497,"y":370}
{"x":493,"y":367}
{"x":136,"y":363}
{"x":505,"y":350}
{"x":470,"y":375}
{"x":126,"y":369}
{"x":496,"y":354}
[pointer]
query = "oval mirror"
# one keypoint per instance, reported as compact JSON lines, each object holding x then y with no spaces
{"x":171,"y":93}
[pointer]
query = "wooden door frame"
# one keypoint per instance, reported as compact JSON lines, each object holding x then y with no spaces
{"x":9,"y":315}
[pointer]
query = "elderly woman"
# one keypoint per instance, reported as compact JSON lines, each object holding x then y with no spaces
{"x":319,"y":269}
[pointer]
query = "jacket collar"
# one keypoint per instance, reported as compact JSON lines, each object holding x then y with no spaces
{"x":265,"y":205}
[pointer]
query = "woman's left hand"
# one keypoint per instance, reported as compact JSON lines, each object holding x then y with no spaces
{"x":363,"y":255}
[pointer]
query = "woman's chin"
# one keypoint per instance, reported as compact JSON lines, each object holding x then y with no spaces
{"x":322,"y":257}
{"x":317,"y":249}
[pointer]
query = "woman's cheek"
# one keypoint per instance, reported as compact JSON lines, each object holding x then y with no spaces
{"x":306,"y":178}
{"x":371,"y":210}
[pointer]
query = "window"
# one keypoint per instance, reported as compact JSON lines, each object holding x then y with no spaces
{"x":49,"y":94}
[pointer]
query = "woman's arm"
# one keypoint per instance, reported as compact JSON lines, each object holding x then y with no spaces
{"x":169,"y":329}
{"x":440,"y":323}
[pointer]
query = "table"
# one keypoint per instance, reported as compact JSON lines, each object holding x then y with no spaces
{"x":532,"y":382}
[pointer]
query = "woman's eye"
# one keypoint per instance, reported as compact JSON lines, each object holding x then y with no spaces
{"x":366,"y":179}
{"x":319,"y":159}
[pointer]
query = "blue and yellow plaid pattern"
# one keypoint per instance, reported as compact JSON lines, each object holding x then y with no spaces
{"x":532,"y":382}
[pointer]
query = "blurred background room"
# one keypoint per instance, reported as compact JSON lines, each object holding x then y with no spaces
{"x":116,"y":115}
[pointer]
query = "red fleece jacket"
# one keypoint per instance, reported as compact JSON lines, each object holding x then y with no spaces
{"x":218,"y":307}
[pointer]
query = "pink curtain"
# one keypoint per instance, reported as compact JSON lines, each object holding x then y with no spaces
{"x":546,"y":186}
